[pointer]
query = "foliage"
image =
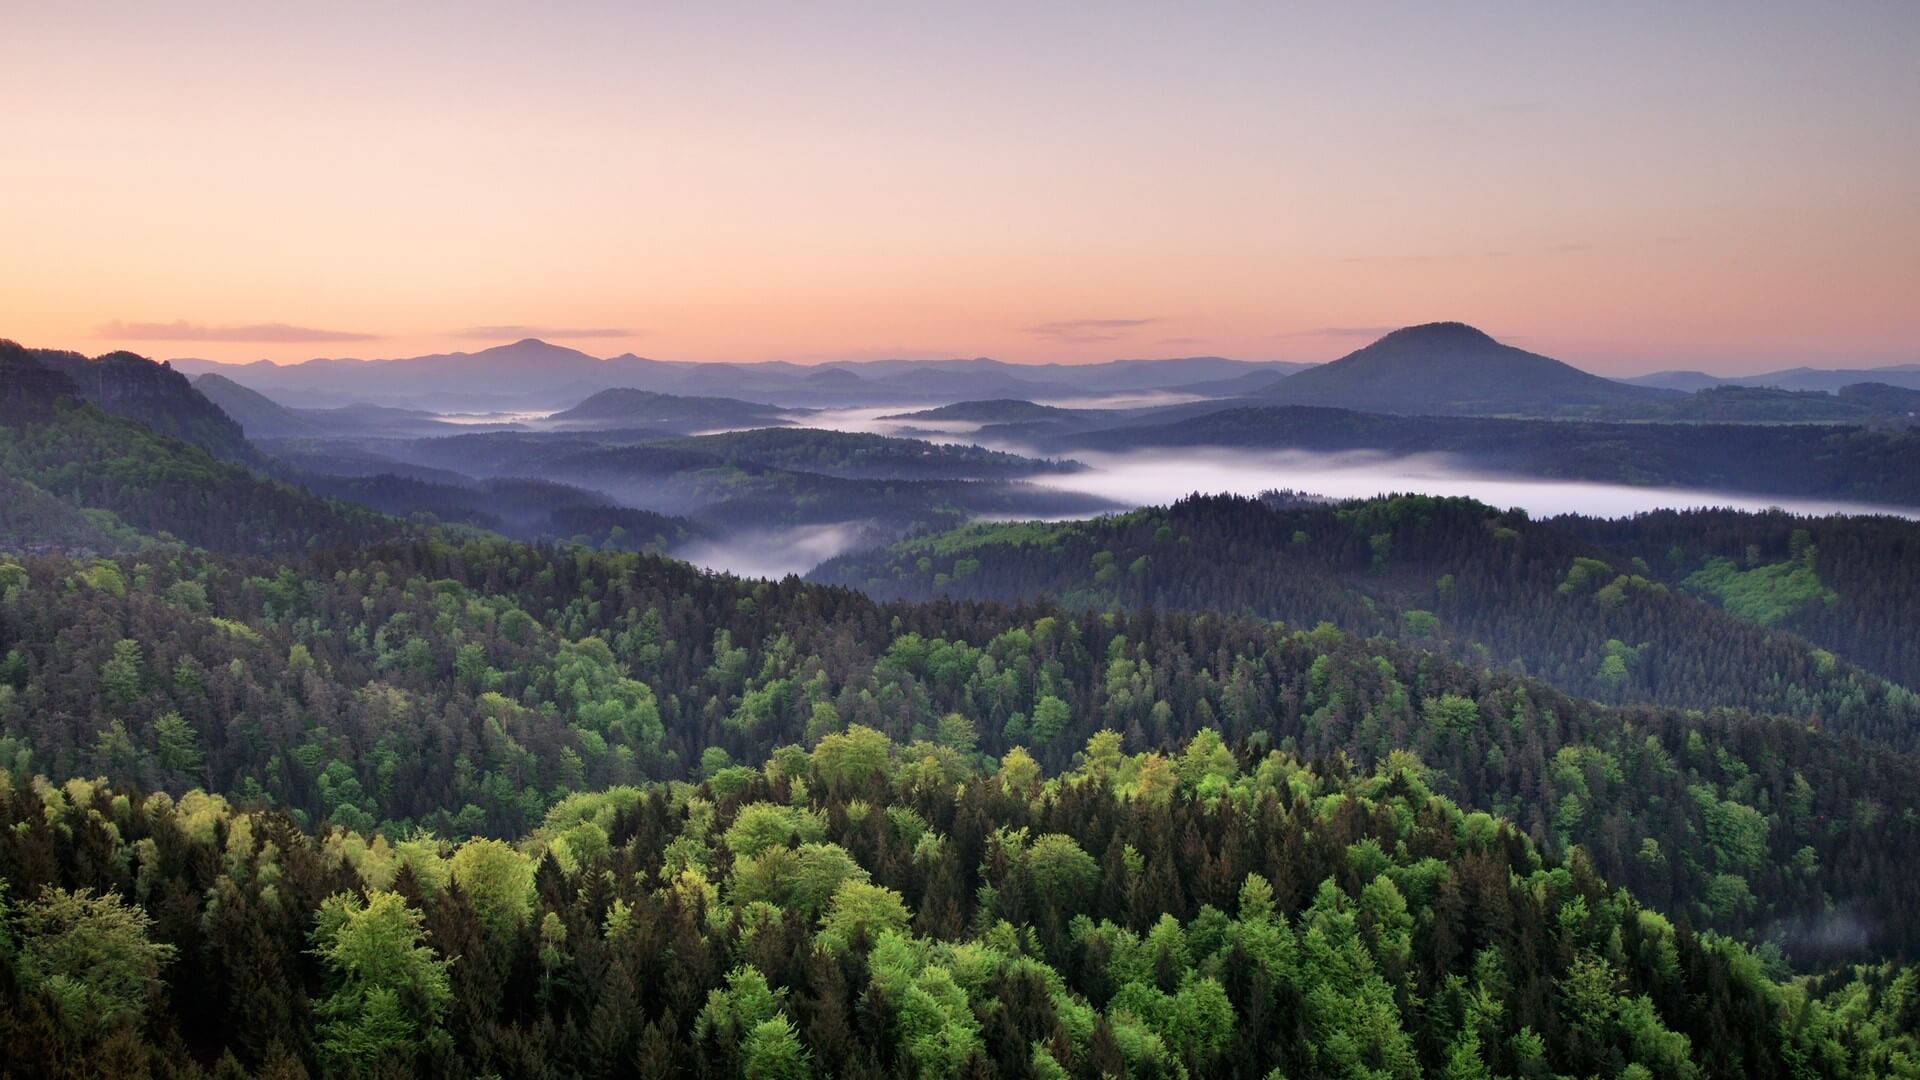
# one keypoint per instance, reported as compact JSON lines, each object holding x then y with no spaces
{"x":1266,"y":915}
{"x":91,"y":954}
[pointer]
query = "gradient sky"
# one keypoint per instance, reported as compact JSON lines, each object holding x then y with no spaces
{"x":1626,"y":186}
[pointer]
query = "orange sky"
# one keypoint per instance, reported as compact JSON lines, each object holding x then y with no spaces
{"x":1722,"y":187}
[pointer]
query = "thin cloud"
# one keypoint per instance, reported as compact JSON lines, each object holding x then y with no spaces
{"x":1181,"y":341}
{"x":549,"y":333}
{"x":182,"y":330}
{"x":1087,"y":331}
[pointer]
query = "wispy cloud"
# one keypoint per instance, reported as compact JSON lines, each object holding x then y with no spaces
{"x":1181,"y":341}
{"x":549,"y":333}
{"x":1087,"y":331}
{"x":181,"y":330}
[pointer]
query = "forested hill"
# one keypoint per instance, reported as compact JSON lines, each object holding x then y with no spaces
{"x":532,"y":510}
{"x":1852,"y":584}
{"x":468,"y":689}
{"x":141,"y":390}
{"x":643,"y":408}
{"x":75,"y":479}
{"x":868,"y":910}
{"x":74,"y":463}
{"x":853,"y":455}
{"x":1449,"y":574}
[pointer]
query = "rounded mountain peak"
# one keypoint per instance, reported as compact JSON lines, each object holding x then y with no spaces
{"x":1438,"y":332}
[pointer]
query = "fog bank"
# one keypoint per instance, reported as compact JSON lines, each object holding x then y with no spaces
{"x":1158,"y":477}
{"x":774,"y":553}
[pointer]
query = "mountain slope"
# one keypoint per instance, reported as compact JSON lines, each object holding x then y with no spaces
{"x":993,"y":411}
{"x":258,"y":415}
{"x":524,"y":509}
{"x":859,"y":456}
{"x":29,"y":388}
{"x":114,"y":471}
{"x":152,"y":394}
{"x":1451,"y":368}
{"x":1847,"y":583}
{"x":627,"y":408}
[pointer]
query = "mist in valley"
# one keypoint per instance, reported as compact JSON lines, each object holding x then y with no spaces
{"x":775,"y":553}
{"x":1161,"y":476}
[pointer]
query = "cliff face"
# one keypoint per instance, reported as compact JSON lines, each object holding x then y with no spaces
{"x":28,"y":388}
{"x":124,"y":384}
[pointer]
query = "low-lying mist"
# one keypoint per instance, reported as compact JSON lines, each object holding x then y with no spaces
{"x":1158,"y":477}
{"x":872,"y":420}
{"x":775,"y":553}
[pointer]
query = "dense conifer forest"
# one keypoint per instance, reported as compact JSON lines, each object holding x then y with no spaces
{"x":1587,"y":605}
{"x":868,"y":909}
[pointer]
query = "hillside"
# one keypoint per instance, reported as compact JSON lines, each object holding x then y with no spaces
{"x":524,"y":509}
{"x":1723,"y":404}
{"x":1880,"y":397}
{"x":623,"y":408}
{"x":257,"y":414}
{"x":1849,"y":584}
{"x":1445,"y":574}
{"x":122,"y":473}
{"x":154,"y":395}
{"x":858,"y":456}
{"x":34,"y":522}
{"x":29,"y":389}
{"x":998,"y":411}
{"x":1450,"y":368}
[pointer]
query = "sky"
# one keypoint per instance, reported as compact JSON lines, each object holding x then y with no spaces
{"x":1729,"y":187}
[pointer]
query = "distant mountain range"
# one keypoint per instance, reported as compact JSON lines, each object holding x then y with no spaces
{"x":1452,"y":369}
{"x":1443,"y":368}
{"x":534,"y":374}
{"x":263,"y":418}
{"x":1830,"y":380}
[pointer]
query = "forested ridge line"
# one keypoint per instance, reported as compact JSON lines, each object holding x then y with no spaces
{"x":1450,"y":574}
{"x":868,"y":909}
